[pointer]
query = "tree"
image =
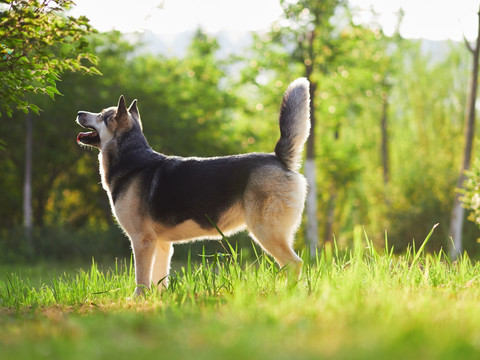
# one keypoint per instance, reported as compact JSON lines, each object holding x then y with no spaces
{"x":38,"y":43}
{"x":27,"y":183}
{"x":458,"y":212}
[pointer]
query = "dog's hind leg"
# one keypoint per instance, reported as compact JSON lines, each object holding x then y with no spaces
{"x":143,"y":253}
{"x":161,"y":265}
{"x":277,"y":244}
{"x":273,"y":210}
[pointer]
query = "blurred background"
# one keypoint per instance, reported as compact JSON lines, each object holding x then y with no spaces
{"x":391,"y":89}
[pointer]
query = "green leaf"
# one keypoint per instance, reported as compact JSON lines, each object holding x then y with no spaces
{"x":52,"y":91}
{"x":34,"y":108}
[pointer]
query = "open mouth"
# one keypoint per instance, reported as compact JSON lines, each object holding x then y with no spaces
{"x":89,"y":138}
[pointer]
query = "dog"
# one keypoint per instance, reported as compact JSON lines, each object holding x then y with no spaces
{"x":159,"y":200}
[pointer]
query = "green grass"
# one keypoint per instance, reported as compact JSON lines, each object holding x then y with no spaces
{"x":357,"y":304}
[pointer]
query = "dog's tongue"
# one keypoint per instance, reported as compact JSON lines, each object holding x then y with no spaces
{"x":81,"y":136}
{"x":85,"y":136}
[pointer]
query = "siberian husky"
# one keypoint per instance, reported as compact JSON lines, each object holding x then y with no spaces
{"x":159,"y":200}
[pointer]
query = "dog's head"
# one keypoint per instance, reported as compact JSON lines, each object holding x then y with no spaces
{"x":108,"y":124}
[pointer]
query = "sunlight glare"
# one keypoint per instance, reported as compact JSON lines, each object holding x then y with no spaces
{"x":174,"y":16}
{"x":428,"y":19}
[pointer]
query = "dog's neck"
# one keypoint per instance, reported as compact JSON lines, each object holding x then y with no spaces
{"x":119,"y":159}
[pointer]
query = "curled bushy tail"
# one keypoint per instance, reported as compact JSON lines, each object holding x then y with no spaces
{"x":294,"y":123}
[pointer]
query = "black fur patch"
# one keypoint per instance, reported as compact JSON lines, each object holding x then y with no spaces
{"x":106,"y":116}
{"x":176,"y":189}
{"x":180,"y":189}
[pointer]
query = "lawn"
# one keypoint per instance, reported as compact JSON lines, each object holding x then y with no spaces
{"x":357,"y":304}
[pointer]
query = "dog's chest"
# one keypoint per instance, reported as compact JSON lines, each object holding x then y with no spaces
{"x":104,"y":163}
{"x":104,"y":175}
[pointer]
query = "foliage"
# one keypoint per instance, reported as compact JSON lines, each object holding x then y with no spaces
{"x":360,"y":304}
{"x":471,"y":192}
{"x":426,"y":133}
{"x":38,"y":43}
{"x":184,"y":109}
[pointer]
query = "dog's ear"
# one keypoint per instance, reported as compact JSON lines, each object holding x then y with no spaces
{"x":121,"y":108}
{"x":133,"y":109}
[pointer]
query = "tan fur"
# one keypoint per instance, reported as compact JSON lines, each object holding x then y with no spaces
{"x":274,"y":203}
{"x":151,"y":245}
{"x":231,"y":221}
{"x":127,"y":210}
{"x":143,"y":237}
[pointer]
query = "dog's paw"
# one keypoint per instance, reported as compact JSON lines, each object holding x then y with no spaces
{"x":294,"y":270}
{"x":139,"y":292}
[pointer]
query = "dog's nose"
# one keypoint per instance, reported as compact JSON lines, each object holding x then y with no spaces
{"x":80,"y":113}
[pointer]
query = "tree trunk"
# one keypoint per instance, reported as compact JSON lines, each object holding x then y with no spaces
{"x":384,"y":126}
{"x":330,"y":215}
{"x":458,"y":212}
{"x":332,"y":199}
{"x":27,"y":185}
{"x":311,"y":238}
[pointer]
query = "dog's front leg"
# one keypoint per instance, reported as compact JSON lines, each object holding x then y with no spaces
{"x":143,"y":253}
{"x":161,"y":265}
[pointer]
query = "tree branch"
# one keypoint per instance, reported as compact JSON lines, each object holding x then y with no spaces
{"x":468,"y":45}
